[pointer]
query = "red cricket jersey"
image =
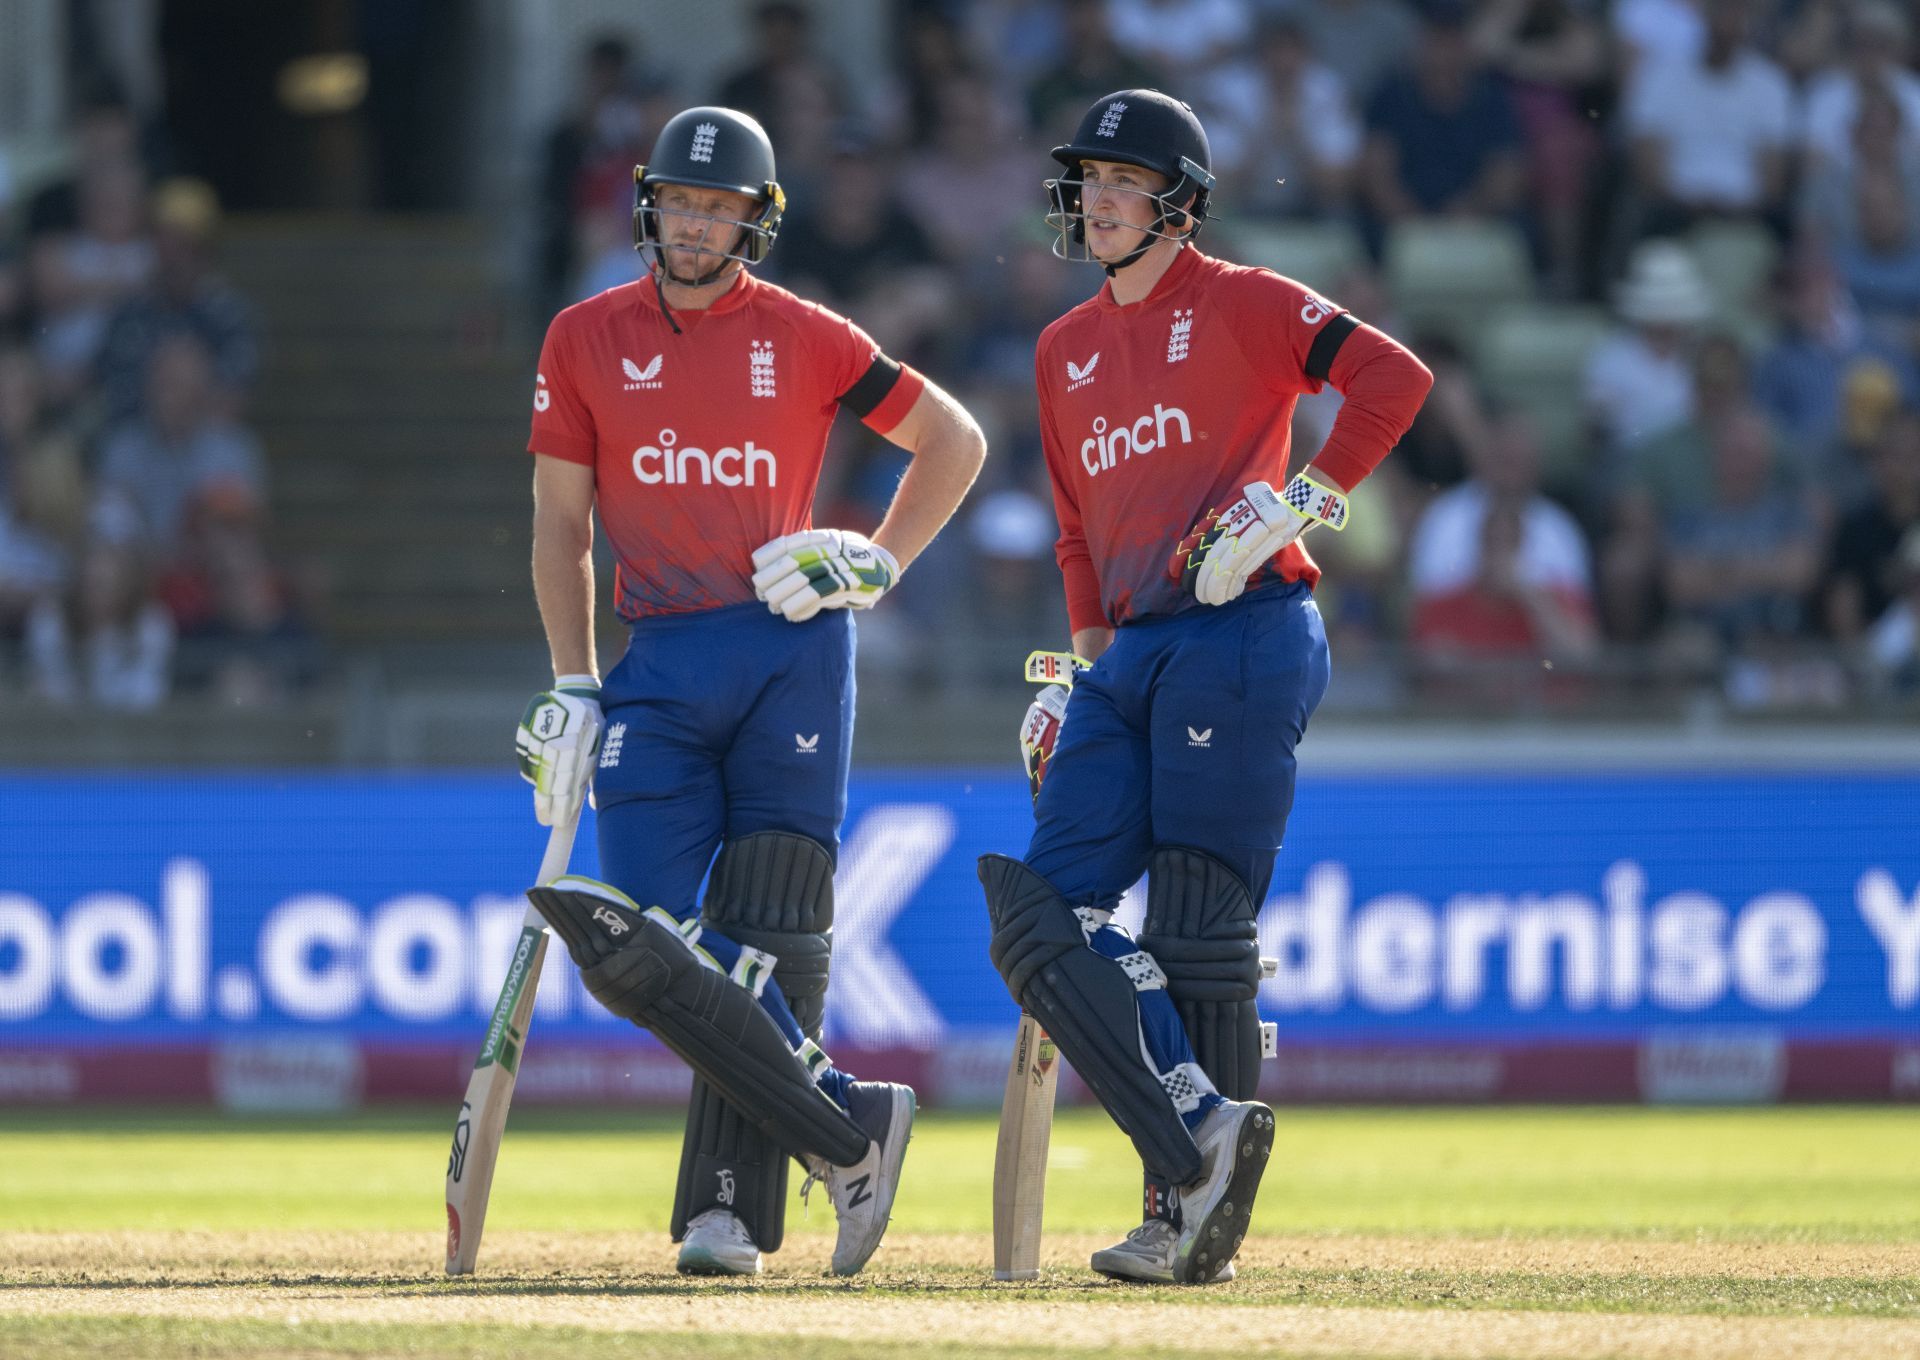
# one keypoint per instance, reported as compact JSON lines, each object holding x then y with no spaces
{"x":1154,"y":413}
{"x":705,"y":444}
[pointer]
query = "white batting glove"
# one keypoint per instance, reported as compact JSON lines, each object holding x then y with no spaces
{"x":558,"y":741}
{"x":1040,"y":733}
{"x":1218,"y":556}
{"x":801,"y":574}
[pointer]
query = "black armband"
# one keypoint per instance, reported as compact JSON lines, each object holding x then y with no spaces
{"x":1327,"y":344}
{"x":865,"y":396}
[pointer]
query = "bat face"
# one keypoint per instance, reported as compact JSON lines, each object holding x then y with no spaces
{"x":1020,"y":1155}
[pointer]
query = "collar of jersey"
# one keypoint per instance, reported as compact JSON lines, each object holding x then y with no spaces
{"x":735,"y":297}
{"x":1183,"y":265}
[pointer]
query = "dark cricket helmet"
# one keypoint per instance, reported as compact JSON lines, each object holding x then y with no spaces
{"x":712,"y":148}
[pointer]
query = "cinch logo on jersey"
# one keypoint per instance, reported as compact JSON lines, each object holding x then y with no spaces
{"x":676,"y":466}
{"x":1079,"y":375}
{"x":638,"y":377}
{"x":1110,"y":446}
{"x":542,"y":398}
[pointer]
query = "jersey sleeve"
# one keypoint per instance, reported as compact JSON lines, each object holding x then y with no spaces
{"x":562,"y":422}
{"x":1084,"y":609}
{"x":858,"y":375}
{"x":1288,"y":333}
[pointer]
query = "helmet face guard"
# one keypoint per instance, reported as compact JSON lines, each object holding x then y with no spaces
{"x":1183,"y":204}
{"x":743,"y":240}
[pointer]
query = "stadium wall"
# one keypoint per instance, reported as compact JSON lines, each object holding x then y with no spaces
{"x":318,"y":941}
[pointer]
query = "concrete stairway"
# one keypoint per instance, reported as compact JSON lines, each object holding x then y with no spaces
{"x":394,"y":415}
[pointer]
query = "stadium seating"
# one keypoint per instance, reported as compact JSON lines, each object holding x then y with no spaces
{"x":1448,"y":276}
{"x":1318,"y":254}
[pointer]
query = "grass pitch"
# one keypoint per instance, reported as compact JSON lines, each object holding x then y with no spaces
{"x":1499,"y":1233}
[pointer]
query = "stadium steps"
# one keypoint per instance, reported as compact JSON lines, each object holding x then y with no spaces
{"x":394,"y":411}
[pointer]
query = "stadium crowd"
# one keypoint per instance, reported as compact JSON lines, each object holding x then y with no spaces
{"x":1663,"y":256}
{"x":133,"y":526}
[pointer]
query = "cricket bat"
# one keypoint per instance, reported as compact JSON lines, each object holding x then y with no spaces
{"x":1020,"y":1155}
{"x":483,"y":1114}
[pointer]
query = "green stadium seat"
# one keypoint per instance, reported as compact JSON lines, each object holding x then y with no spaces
{"x":1451,"y":275}
{"x":1535,"y":358}
{"x":1318,"y":254}
{"x":1737,"y":260}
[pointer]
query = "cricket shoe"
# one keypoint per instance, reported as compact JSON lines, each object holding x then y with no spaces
{"x":862,"y":1194}
{"x":1235,"y":1139}
{"x":1146,"y":1257}
{"x":717,"y":1243}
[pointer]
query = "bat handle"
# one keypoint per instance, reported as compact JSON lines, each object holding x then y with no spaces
{"x":559,"y":850}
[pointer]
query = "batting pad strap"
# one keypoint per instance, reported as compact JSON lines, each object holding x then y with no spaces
{"x":1185,"y":1085}
{"x":1143,"y":972}
{"x":1088,"y":1004}
{"x":1306,"y":495}
{"x":642,"y":970}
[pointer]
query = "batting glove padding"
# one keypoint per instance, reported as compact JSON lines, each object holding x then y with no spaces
{"x":1040,"y":732}
{"x":558,"y":742}
{"x":801,"y":574}
{"x":1223,"y":551}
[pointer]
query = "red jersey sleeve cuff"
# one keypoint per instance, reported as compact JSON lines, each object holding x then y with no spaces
{"x":893,"y":407}
{"x":1084,"y":609}
{"x":564,"y":447}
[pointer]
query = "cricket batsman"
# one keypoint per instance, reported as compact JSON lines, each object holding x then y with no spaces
{"x":691,"y":409}
{"x":1165,"y":407}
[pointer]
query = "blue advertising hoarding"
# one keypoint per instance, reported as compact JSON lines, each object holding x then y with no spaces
{"x":184,"y":909}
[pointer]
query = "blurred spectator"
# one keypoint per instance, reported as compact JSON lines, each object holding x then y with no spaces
{"x":1021,"y":38}
{"x":1534,"y":591}
{"x":105,"y":133}
{"x":180,"y":450}
{"x":1554,"y":57}
{"x":1639,"y":381}
{"x":1893,"y":644}
{"x":935,"y":50}
{"x":974,"y":181}
{"x":1879,"y":38}
{"x":1651,"y":33}
{"x":43,"y":489}
{"x":79,"y":278}
{"x":1185,"y":36}
{"x":587,"y":164}
{"x":1442,"y":138}
{"x":851,"y":246}
{"x":1883,"y":146}
{"x":1822,"y":354}
{"x":186,"y":295}
{"x":111,"y":643}
{"x":1667,"y":474}
{"x":1881,"y":266}
{"x":1864,"y":567}
{"x":1435,"y":452}
{"x":1361,"y":40}
{"x":1285,"y":136}
{"x":1739,"y":567}
{"x":1091,"y":67}
{"x":796,"y":96}
{"x":1710,"y":135}
{"x":240,"y":633}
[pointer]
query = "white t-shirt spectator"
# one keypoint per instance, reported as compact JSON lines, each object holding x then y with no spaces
{"x":1634,"y":392}
{"x":1446,"y":545}
{"x":1178,"y":32}
{"x":1831,"y":104}
{"x":1656,"y":31}
{"x":1325,"y":130}
{"x":1715,"y":125}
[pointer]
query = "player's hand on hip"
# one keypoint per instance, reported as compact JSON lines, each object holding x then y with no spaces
{"x":801,"y":574}
{"x":1223,"y":551}
{"x":558,"y":740}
